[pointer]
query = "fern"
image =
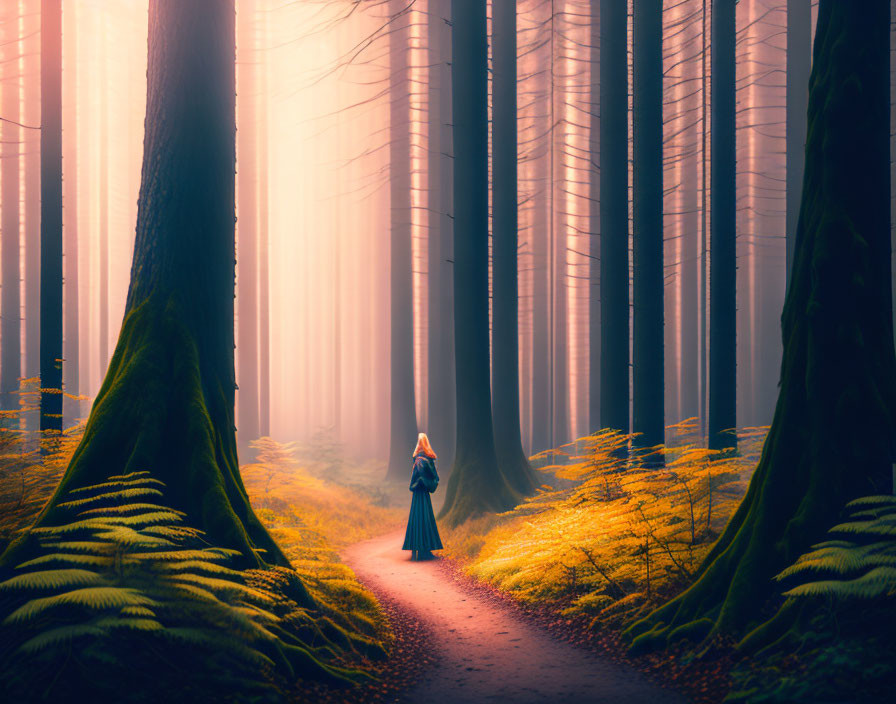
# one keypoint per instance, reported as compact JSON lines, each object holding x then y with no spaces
{"x":859,"y":562}
{"x":53,"y":579}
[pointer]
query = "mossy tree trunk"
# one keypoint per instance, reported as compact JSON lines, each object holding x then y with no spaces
{"x":167,"y":402}
{"x":476,"y":484}
{"x":833,"y":433}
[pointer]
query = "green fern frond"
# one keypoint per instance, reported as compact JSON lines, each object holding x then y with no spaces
{"x":877,"y":500}
{"x":199,"y":566}
{"x":61,"y":635}
{"x":89,"y":547}
{"x":174,"y":555}
{"x":132,"y":538}
{"x":131,"y":475}
{"x":880,"y":581}
{"x":122,"y":495}
{"x":125,"y":509}
{"x":93,"y":598}
{"x":139,"y":611}
{"x":53,"y":579}
{"x":118,"y":484}
{"x":68,"y":559}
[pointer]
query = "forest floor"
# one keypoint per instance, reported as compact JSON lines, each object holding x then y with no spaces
{"x":484,"y":650}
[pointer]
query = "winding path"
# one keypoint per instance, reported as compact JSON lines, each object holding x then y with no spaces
{"x":485,"y":652}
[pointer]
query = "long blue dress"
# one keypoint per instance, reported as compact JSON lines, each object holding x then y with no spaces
{"x":422,"y":533}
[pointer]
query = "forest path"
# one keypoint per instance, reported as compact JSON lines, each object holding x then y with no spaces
{"x":486,"y":653}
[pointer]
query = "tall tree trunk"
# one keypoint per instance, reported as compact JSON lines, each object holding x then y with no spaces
{"x":647,"y":195}
{"x":723,"y":218}
{"x":167,"y":402}
{"x":834,"y":431}
{"x":614,"y":263}
{"x":799,"y":61}
{"x":403,"y":425}
{"x":247,"y":226}
{"x":32,"y":192}
{"x":542,"y":389}
{"x":594,"y":185}
{"x":103,"y":193}
{"x":51,"y":215}
{"x":505,"y":323}
{"x":476,"y":484}
{"x":264,"y":287}
{"x":557,"y":270}
{"x":70,"y":210}
{"x":440,"y":414}
{"x":11,"y":135}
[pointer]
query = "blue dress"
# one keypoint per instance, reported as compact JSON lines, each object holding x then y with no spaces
{"x":422,"y":533}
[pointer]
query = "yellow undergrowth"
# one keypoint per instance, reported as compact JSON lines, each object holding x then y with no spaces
{"x":607,"y":538}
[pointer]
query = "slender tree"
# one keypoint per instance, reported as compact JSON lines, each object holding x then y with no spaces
{"x":264,"y":287}
{"x":51,"y":215}
{"x":32,"y":191}
{"x":403,"y":425}
{"x":11,"y":134}
{"x":613,"y":203}
{"x":647,"y":195}
{"x":440,"y":413}
{"x":832,"y":437}
{"x":505,"y":324}
{"x":70,"y":208}
{"x":102,"y":50}
{"x":167,"y":403}
{"x":723,"y":218}
{"x":247,"y":225}
{"x":476,"y":483}
{"x":799,"y":60}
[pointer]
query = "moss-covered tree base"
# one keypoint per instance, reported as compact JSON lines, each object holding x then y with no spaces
{"x":832,"y":438}
{"x":476,"y":486}
{"x":153,"y":413}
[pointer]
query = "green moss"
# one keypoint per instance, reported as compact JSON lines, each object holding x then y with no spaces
{"x":157,"y":412}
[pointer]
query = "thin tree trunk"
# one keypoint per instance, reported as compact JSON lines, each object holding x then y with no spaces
{"x":264,"y":288}
{"x":441,"y":411}
{"x":32,"y":192}
{"x":11,"y":135}
{"x":476,"y":484}
{"x":505,"y":324}
{"x":799,"y":61}
{"x":647,"y":117}
{"x":103,"y":189}
{"x":723,"y":213}
{"x":247,"y":226}
{"x":51,"y":216}
{"x":614,"y":233}
{"x":70,"y":208}
{"x":403,"y":425}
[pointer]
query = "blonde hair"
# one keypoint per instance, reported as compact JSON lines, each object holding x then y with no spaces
{"x":424,"y":447}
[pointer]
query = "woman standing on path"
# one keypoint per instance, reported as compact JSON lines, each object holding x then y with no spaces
{"x":422,"y":534}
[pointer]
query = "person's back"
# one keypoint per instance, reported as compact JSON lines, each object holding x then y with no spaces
{"x":422,"y":534}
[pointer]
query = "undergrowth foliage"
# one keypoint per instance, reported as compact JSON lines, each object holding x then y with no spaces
{"x":842,"y":592}
{"x":126,"y":584}
{"x":859,"y":562}
{"x":608,"y":537}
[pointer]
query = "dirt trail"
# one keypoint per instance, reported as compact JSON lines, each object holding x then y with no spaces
{"x":485,"y":652}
